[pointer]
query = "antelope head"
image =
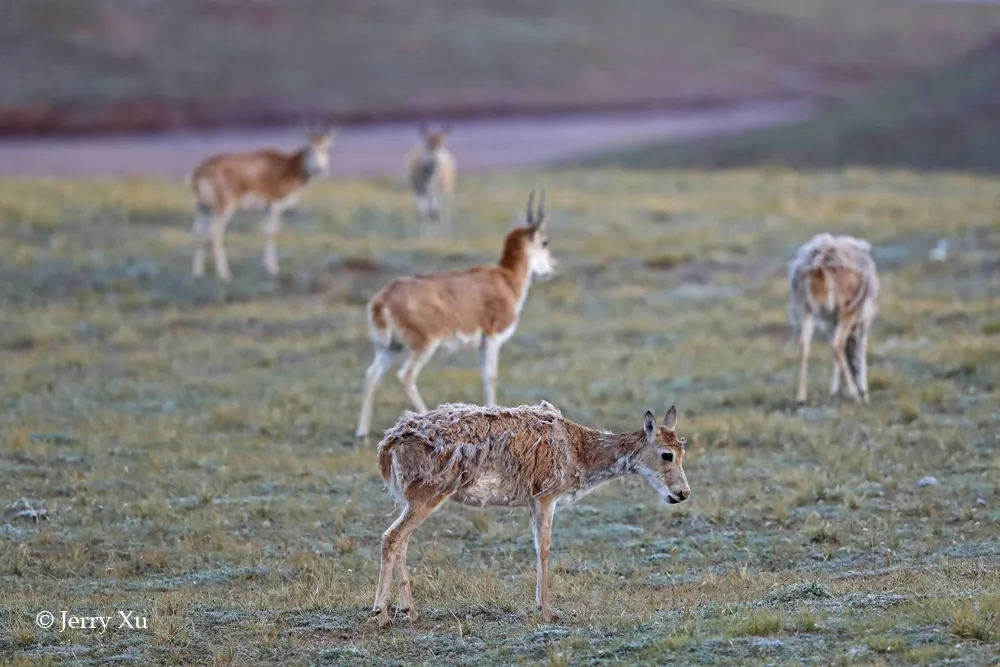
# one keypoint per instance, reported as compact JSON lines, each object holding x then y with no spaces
{"x":540,"y":260}
{"x":434,"y":140}
{"x":660,"y":458}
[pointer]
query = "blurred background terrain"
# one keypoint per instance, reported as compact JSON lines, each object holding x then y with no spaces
{"x":116,"y":65}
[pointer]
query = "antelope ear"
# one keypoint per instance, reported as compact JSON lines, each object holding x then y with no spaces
{"x":422,"y":130}
{"x":649,"y":427}
{"x":670,"y":420}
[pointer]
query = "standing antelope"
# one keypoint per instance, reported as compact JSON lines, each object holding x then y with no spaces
{"x":431,"y":172}
{"x":270,"y":179}
{"x":833,"y":279}
{"x":510,"y":457}
{"x":478,"y":307}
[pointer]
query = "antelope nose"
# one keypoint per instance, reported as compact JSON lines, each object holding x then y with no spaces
{"x":683,"y":495}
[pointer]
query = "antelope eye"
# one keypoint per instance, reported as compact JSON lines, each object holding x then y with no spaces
{"x":684,"y":441}
{"x":667,"y":456}
{"x":545,"y":243}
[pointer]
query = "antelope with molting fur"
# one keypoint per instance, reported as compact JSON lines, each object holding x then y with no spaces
{"x":268,"y":178}
{"x":431,"y":174}
{"x":834,"y":283}
{"x":528,"y":456}
{"x":477,"y":308}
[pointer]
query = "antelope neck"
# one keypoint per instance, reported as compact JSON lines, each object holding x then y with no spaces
{"x":610,"y":451}
{"x":516,"y":268}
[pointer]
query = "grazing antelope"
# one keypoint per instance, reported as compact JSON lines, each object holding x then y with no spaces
{"x":833,"y":280}
{"x":431,"y":172}
{"x":269,"y":179}
{"x":529,"y":456}
{"x":478,"y":307}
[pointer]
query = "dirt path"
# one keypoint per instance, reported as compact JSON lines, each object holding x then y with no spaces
{"x":378,"y":150}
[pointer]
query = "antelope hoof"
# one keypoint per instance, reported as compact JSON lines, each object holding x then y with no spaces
{"x":549,"y":615}
{"x":379,"y":615}
{"x":864,"y":397}
{"x":412,"y":614}
{"x":272,"y":269}
{"x":801,"y":402}
{"x":361,"y":435}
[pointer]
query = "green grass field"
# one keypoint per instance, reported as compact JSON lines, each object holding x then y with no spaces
{"x":112,"y":64}
{"x":191,"y":441}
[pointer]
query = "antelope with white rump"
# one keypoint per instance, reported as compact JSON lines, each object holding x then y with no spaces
{"x":266,"y":178}
{"x":477,"y":308}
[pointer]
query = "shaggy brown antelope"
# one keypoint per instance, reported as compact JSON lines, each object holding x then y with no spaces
{"x":478,"y":307}
{"x":269,"y":179}
{"x":431,"y":172}
{"x":529,"y":456}
{"x":834,"y":281}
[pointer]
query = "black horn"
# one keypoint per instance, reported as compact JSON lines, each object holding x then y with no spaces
{"x":531,"y":202}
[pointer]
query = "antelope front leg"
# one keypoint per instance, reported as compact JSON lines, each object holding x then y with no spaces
{"x":489,"y":355}
{"x":863,"y":364}
{"x":272,"y":225}
{"x":835,"y":379}
{"x":805,"y":339}
{"x":218,"y":233}
{"x":542,"y":510}
{"x":200,"y":232}
{"x":424,"y":213}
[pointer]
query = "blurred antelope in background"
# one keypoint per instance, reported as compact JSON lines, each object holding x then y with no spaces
{"x":431,"y":173}
{"x":268,"y":179}
{"x":529,"y":456}
{"x":478,"y":308}
{"x":834,"y":282}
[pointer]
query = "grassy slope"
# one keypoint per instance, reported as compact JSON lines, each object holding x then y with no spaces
{"x":947,"y":120}
{"x":187,"y":438}
{"x":177,"y":63}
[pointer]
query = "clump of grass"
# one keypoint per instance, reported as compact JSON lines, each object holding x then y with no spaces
{"x":346,"y":545}
{"x":884,"y":644}
{"x":759,"y":623}
{"x":927,"y":654}
{"x":909,"y":411}
{"x":22,"y":632}
{"x":150,"y":560}
{"x":668,"y":261}
{"x":18,"y":441}
{"x":973,"y":622}
{"x":819,"y":531}
{"x":806,"y":590}
{"x":228,"y":416}
{"x":805,"y":621}
{"x":673,"y":642}
{"x":482,"y":521}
